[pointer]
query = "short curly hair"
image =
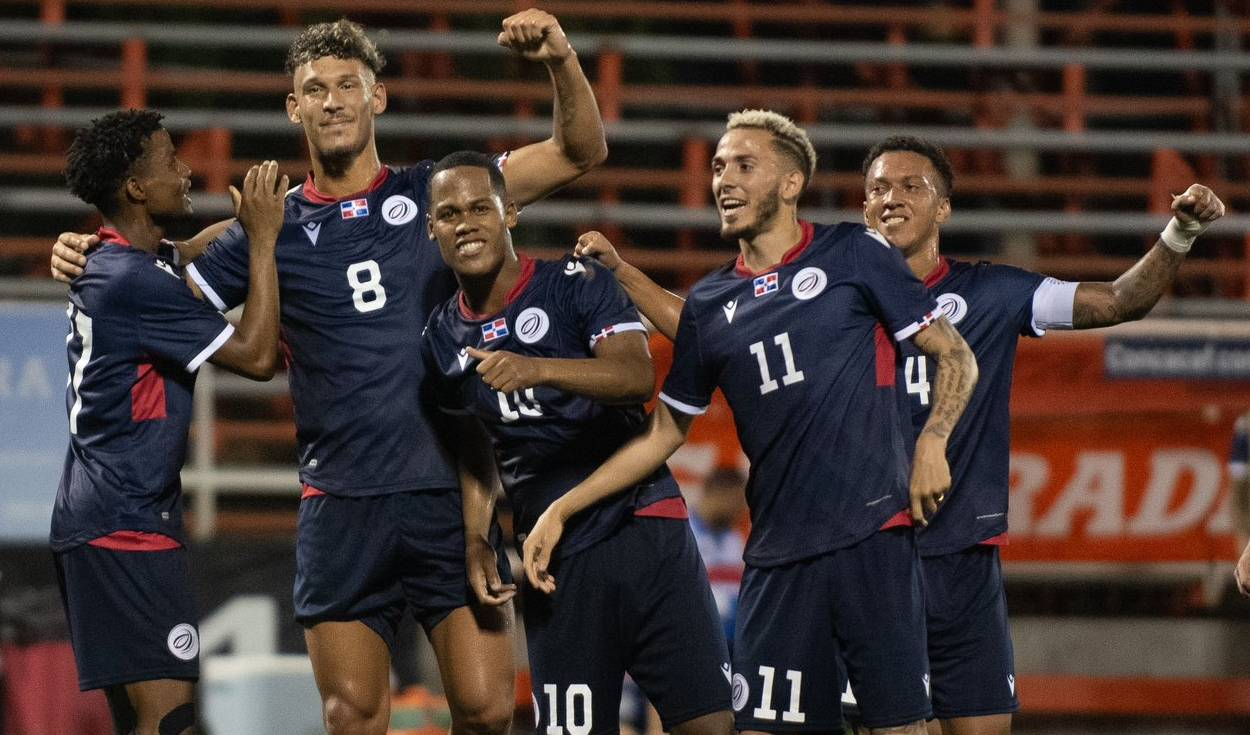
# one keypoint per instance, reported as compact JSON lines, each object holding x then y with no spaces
{"x":341,"y":39}
{"x":103,"y":155}
{"x":926,"y":148}
{"x":789,"y":139}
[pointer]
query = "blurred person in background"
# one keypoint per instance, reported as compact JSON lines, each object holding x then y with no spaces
{"x":137,"y":337}
{"x":358,"y":271}
{"x":1239,"y":490}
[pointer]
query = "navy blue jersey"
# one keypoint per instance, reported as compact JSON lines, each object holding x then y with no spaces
{"x":137,"y":336}
{"x":358,"y":277}
{"x":1239,"y":450}
{"x":991,"y":306}
{"x":805,"y":356}
{"x":546,"y":441}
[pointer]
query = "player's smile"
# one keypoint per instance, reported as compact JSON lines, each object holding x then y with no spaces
{"x":902,"y":200}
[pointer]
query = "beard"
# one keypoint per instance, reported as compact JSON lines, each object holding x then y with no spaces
{"x":764,"y":216}
{"x":339,"y":159}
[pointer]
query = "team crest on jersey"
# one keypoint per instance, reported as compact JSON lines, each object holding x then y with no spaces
{"x":808,"y":283}
{"x":953,"y":307}
{"x":183,"y":641}
{"x":398,"y":210}
{"x":532,"y":325}
{"x":354,"y":208}
{"x":765,"y":284}
{"x":740,"y":692}
{"x":497,"y":329}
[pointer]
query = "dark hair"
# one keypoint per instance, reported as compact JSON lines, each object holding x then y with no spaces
{"x":103,"y":155}
{"x":341,"y":39}
{"x":926,"y":148}
{"x":474,"y":159}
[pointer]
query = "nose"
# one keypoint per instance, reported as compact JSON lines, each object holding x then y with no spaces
{"x":331,"y":102}
{"x":183,"y":169}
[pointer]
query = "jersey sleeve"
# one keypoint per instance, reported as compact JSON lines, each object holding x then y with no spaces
{"x":900,"y":299}
{"x":1050,"y":307}
{"x":173,"y":323}
{"x":690,"y":382}
{"x":600,"y":302}
{"x":221,"y":271}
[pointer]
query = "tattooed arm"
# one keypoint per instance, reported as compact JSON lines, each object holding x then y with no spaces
{"x":956,"y":378}
{"x":1134,"y":294}
{"x":577,"y":142}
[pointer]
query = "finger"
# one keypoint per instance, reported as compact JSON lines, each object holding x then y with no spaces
{"x":283,"y":185}
{"x":68,"y":255}
{"x":477,"y":353}
{"x":271,"y":178}
{"x":930,"y":505}
{"x":249,"y":181}
{"x":235,"y":198}
{"x":917,"y":512}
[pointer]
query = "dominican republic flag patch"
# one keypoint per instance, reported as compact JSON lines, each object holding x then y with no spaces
{"x":494,"y":330}
{"x":765,"y":284}
{"x":354,"y":208}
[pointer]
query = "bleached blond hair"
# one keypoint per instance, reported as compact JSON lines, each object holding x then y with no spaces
{"x":788,"y":139}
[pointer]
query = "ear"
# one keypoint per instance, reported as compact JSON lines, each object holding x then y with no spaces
{"x":864,"y":208}
{"x":792,"y":186}
{"x":292,"y":108}
{"x":429,"y":224}
{"x":379,"y":98}
{"x":510,"y":214}
{"x":133,"y":191}
{"x":944,"y":210}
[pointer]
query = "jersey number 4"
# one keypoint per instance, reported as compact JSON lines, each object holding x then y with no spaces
{"x":365,"y":278}
{"x":916,"y":377}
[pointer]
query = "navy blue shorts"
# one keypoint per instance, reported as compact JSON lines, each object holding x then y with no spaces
{"x":805,"y":627}
{"x":970,"y":653}
{"x":368,"y":558}
{"x":132,"y":616}
{"x":638,"y":602}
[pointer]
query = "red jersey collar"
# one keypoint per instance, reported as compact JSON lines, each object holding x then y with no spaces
{"x":111,"y":235}
{"x":938,"y":273}
{"x":805,"y":239}
{"x":527,"y":273}
{"x":312,"y":194}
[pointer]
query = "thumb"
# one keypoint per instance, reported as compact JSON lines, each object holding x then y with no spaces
{"x":477,"y":354}
{"x":236,"y":198}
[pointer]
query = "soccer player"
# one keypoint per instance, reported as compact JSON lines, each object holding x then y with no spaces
{"x":800,"y":334}
{"x":546,"y":365}
{"x":907,"y":188}
{"x":137,"y":336}
{"x":358,"y":270}
{"x":1238,"y":455}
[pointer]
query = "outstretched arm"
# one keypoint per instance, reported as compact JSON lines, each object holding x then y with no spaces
{"x":631,"y":464}
{"x":661,"y":306}
{"x":956,"y":379}
{"x":577,"y":142}
{"x":620,"y":372}
{"x":1134,"y":294}
{"x":479,"y":482}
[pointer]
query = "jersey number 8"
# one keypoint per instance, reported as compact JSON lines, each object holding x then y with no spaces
{"x":365,"y":279}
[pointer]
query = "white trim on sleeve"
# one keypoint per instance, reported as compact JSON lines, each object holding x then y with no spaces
{"x":612,"y":329}
{"x":916,"y":326}
{"x":1052,"y":305}
{"x":685,"y":408}
{"x":213,"y":346}
{"x":213,"y":298}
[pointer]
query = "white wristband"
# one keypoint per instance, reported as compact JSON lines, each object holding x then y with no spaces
{"x":1180,"y":236}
